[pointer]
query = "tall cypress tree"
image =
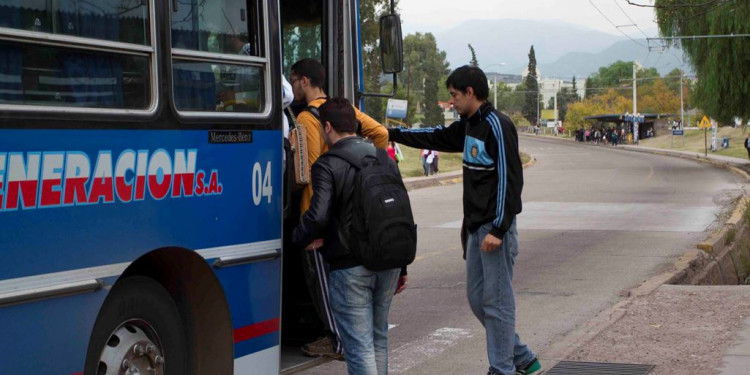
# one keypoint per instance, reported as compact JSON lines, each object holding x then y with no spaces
{"x":574,"y":93}
{"x":473,"y":61}
{"x":532,"y":90}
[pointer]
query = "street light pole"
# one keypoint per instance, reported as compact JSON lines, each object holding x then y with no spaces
{"x":494,"y":82}
{"x":682,"y":106}
{"x":635,"y":106}
{"x":494,"y":89}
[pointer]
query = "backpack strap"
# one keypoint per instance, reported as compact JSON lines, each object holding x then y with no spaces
{"x":348,"y":156}
{"x":316,"y":113}
{"x":291,"y":115}
{"x":352,"y":158}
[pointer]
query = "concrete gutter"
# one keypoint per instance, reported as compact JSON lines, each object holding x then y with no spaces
{"x":447,"y":178}
{"x":712,"y":262}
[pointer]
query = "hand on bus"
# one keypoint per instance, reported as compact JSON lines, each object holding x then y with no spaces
{"x":402,"y":281}
{"x":315,"y":245}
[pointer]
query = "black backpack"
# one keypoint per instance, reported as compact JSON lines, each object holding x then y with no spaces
{"x":383,"y":234}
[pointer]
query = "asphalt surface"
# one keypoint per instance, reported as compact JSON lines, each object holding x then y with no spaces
{"x":596,"y":222}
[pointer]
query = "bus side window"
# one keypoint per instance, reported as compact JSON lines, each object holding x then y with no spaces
{"x":223,"y":83}
{"x":123,"y":21}
{"x":52,"y":76}
{"x":69,"y":76}
{"x":11,"y":89}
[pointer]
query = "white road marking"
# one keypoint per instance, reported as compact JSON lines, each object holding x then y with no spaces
{"x":416,"y":352}
{"x":643,"y":217}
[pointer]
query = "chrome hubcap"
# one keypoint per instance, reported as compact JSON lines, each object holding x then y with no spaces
{"x":133,"y":349}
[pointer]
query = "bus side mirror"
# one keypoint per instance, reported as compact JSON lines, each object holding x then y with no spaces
{"x":391,"y":44}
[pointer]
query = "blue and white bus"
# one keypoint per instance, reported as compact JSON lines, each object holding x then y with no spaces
{"x":141,"y":187}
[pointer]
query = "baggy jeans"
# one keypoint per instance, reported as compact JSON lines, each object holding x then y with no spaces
{"x":489,"y":288}
{"x":360,"y":299}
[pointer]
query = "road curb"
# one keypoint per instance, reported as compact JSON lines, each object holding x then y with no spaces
{"x":447,"y":178}
{"x":689,"y":264}
{"x":728,"y":165}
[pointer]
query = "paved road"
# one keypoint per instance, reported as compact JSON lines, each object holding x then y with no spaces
{"x":596,"y":222}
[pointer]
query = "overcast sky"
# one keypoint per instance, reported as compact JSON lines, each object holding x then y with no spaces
{"x":437,"y":15}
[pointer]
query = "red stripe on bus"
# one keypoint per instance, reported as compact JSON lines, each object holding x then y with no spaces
{"x":255,"y":330}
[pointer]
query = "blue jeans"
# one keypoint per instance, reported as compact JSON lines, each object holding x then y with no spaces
{"x":360,"y":300}
{"x":489,"y":287}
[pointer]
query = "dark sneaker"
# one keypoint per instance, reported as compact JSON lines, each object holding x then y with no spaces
{"x":322,"y":348}
{"x":532,"y":368}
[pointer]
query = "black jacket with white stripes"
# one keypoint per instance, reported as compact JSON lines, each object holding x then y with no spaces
{"x":493,"y":175}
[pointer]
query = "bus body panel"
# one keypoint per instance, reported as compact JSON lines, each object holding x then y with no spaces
{"x":87,"y":234}
{"x":125,"y":204}
{"x":48,"y":337}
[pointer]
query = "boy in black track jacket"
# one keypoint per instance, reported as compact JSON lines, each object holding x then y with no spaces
{"x":493,"y":180}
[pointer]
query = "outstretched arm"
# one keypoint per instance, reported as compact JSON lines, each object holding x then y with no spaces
{"x":448,"y":139}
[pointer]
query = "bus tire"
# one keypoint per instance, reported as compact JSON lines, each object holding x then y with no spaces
{"x":139,"y":326}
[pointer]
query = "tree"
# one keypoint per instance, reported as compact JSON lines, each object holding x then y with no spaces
{"x":370,"y":12}
{"x":433,"y":114}
{"x":530,"y":109}
{"x":565,"y":98}
{"x":426,"y":64}
{"x":658,"y":98}
{"x":574,"y":92}
{"x":723,"y":87}
{"x":473,"y":61}
{"x":607,"y":102}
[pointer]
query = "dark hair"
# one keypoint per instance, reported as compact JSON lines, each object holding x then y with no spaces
{"x":340,"y":113}
{"x":469,"y":76}
{"x":311,"y":69}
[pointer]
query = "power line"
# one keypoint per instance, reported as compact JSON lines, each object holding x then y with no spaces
{"x":615,"y":26}
{"x":702,"y":36}
{"x":628,"y":17}
{"x":684,"y":5}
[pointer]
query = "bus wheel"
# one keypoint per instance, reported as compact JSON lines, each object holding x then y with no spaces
{"x":139,"y":331}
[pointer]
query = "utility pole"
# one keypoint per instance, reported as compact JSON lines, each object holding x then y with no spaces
{"x":635,"y":106}
{"x":494,"y":88}
{"x":682,"y":105}
{"x":556,"y":91}
{"x":406,"y":119}
{"x":538,"y":93}
{"x":494,"y":75}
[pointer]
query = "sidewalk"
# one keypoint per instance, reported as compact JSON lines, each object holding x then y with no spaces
{"x":681,"y":329}
{"x":412,"y":183}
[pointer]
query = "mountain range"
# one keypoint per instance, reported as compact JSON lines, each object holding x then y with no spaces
{"x":562,"y":49}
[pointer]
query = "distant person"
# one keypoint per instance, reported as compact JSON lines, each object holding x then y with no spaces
{"x":435,"y":159}
{"x":392,"y":151}
{"x":492,"y":168}
{"x":747,"y":145}
{"x":427,"y":158}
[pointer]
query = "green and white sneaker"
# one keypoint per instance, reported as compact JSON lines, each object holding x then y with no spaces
{"x":533,"y":368}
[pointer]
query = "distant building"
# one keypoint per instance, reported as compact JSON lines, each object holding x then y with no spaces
{"x":510,"y":80}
